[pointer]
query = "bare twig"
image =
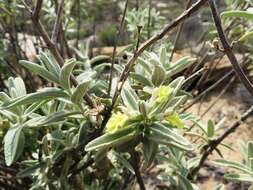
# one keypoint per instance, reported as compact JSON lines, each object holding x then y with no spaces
{"x":218,"y":97}
{"x":115,"y":45}
{"x":215,"y":143}
{"x":179,"y":31}
{"x":207,"y":90}
{"x":135,"y":163}
{"x":36,"y":12}
{"x":57,"y":23}
{"x":228,"y":49}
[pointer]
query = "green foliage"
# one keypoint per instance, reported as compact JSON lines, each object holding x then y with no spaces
{"x":143,"y":119}
{"x":140,"y":18}
{"x":244,"y":171}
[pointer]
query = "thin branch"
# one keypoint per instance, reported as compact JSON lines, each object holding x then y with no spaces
{"x":36,"y":12}
{"x":135,"y":163}
{"x":115,"y":45}
{"x":179,"y":31}
{"x":218,"y":97}
{"x":215,"y":143}
{"x":207,"y":90}
{"x":228,"y":49}
{"x":57,"y":23}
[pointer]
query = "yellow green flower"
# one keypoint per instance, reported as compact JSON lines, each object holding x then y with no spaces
{"x":162,"y":94}
{"x":116,"y":122}
{"x":175,"y":120}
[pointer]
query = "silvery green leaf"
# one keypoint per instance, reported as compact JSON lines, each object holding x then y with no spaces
{"x":114,"y":86}
{"x":13,"y":144}
{"x":158,"y":76}
{"x":9,"y":115}
{"x":50,"y":119}
{"x":20,"y":86}
{"x":193,"y":162}
{"x":163,"y":56}
{"x":66,"y":72}
{"x":239,"y":177}
{"x":174,"y":103}
{"x":11,"y":83}
{"x":246,"y":36}
{"x":110,"y":140}
{"x":13,"y":92}
{"x":119,"y":68}
{"x":85,"y":76}
{"x":33,"y":107}
{"x":40,"y":70}
{"x":179,"y":66}
{"x":50,"y":63}
{"x":4,"y":97}
{"x":177,"y":84}
{"x":79,"y":91}
{"x":237,"y":13}
{"x":141,"y":79}
{"x":129,"y":97}
{"x":145,"y":65}
{"x":45,"y":94}
{"x":235,"y":165}
{"x":100,"y":68}
{"x":143,"y":108}
{"x":161,"y":134}
{"x":98,"y":59}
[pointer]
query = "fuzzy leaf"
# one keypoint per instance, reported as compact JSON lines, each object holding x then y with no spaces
{"x":40,"y":70}
{"x":164,"y":135}
{"x":237,"y":13}
{"x":141,"y":79}
{"x":45,"y":94}
{"x":234,"y":165}
{"x":13,"y":144}
{"x":239,"y":177}
{"x":50,"y":63}
{"x":79,"y":92}
{"x":129,"y":98}
{"x":66,"y":72}
{"x":158,"y":76}
{"x":109,"y":140}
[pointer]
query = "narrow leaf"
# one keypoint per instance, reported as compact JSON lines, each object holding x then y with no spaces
{"x":45,"y":94}
{"x":40,"y":70}
{"x":79,"y":92}
{"x":66,"y":72}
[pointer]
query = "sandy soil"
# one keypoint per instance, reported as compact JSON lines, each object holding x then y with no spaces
{"x":231,"y":105}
